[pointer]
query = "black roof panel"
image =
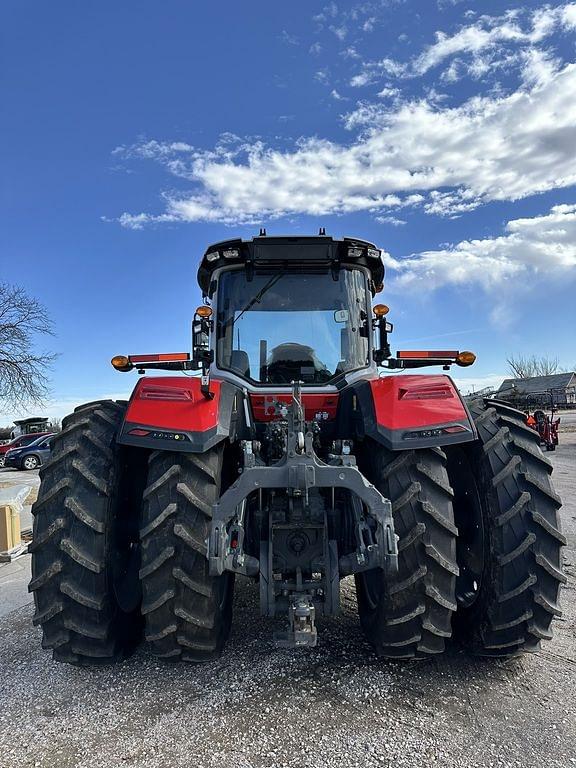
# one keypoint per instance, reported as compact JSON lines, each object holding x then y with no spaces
{"x":291,"y":250}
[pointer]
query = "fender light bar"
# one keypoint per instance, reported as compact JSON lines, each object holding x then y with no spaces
{"x":418,"y":354}
{"x":168,"y":357}
{"x":167,"y":360}
{"x":420,"y":358}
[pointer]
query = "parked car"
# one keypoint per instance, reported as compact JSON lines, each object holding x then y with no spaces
{"x":29,"y":456}
{"x":20,"y":442}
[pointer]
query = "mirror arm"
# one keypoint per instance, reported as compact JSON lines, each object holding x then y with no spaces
{"x":382,"y":352}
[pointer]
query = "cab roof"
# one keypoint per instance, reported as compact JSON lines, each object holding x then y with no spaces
{"x":288,"y":251}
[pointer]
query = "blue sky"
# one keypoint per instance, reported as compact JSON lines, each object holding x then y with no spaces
{"x":135,"y":133}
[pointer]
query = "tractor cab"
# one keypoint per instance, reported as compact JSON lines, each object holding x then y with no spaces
{"x":289,"y":309}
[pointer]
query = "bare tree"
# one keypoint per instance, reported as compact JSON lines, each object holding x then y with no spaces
{"x":23,"y":370}
{"x":524,"y":367}
{"x":56,"y":425}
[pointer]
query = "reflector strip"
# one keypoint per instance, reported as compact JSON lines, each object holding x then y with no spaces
{"x":425,"y":393}
{"x":168,"y":357}
{"x":425,"y":354}
{"x":164,"y":393}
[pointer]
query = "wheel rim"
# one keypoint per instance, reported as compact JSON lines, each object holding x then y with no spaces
{"x":470,"y":544}
{"x":30,"y":462}
{"x":1,"y":461}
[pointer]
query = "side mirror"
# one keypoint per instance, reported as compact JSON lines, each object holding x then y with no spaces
{"x":382,"y":348}
{"x":201,"y":327}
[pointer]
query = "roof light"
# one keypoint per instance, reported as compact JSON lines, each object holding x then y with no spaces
{"x":380,"y":310}
{"x":121,"y":363}
{"x":231,"y":253}
{"x":355,"y":253}
{"x":373,"y":253}
{"x":204,"y":311}
{"x":213,"y":256}
{"x":465,"y":358}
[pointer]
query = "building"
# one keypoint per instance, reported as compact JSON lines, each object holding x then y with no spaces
{"x":558,"y":389}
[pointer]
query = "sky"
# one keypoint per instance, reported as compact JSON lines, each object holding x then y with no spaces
{"x":134,"y":134}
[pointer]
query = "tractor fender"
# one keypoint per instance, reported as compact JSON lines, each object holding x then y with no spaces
{"x":171,"y":413}
{"x":405,"y":412}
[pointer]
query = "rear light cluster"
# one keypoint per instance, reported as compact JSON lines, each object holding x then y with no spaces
{"x":178,"y":436}
{"x":423,"y":434}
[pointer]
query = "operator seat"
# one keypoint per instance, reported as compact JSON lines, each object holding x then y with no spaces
{"x":295,"y":362}
{"x":240,"y":362}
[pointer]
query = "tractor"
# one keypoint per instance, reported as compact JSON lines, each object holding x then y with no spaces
{"x":292,"y":447}
{"x":547,"y":428}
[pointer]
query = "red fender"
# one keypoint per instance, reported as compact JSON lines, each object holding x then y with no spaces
{"x":171,"y":413}
{"x":412,"y":411}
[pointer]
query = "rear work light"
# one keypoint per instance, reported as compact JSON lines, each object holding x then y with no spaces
{"x":231,"y":253}
{"x":355,"y":253}
{"x":213,"y":256}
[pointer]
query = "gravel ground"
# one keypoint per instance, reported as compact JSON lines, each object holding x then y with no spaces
{"x":336,"y":705}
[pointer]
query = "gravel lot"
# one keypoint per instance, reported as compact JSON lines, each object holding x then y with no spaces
{"x":258,"y":706}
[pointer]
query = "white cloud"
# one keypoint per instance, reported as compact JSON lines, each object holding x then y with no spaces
{"x":340,"y":31}
{"x":481,"y":46}
{"x":350,"y":53}
{"x":543,"y":246}
{"x":452,"y":159}
{"x":395,"y":222}
{"x":289,"y":39}
{"x":388,"y":93}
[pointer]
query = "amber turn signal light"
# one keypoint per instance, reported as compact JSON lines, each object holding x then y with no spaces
{"x":380,"y":310}
{"x":465,"y":358}
{"x":204,"y":311}
{"x":121,"y":363}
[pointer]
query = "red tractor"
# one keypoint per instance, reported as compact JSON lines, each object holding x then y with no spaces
{"x":292,"y":460}
{"x":547,"y":428}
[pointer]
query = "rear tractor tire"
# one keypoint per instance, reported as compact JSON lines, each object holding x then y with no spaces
{"x":510,"y":542}
{"x":410,"y":616}
{"x":188,"y":613}
{"x":76,"y":544}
